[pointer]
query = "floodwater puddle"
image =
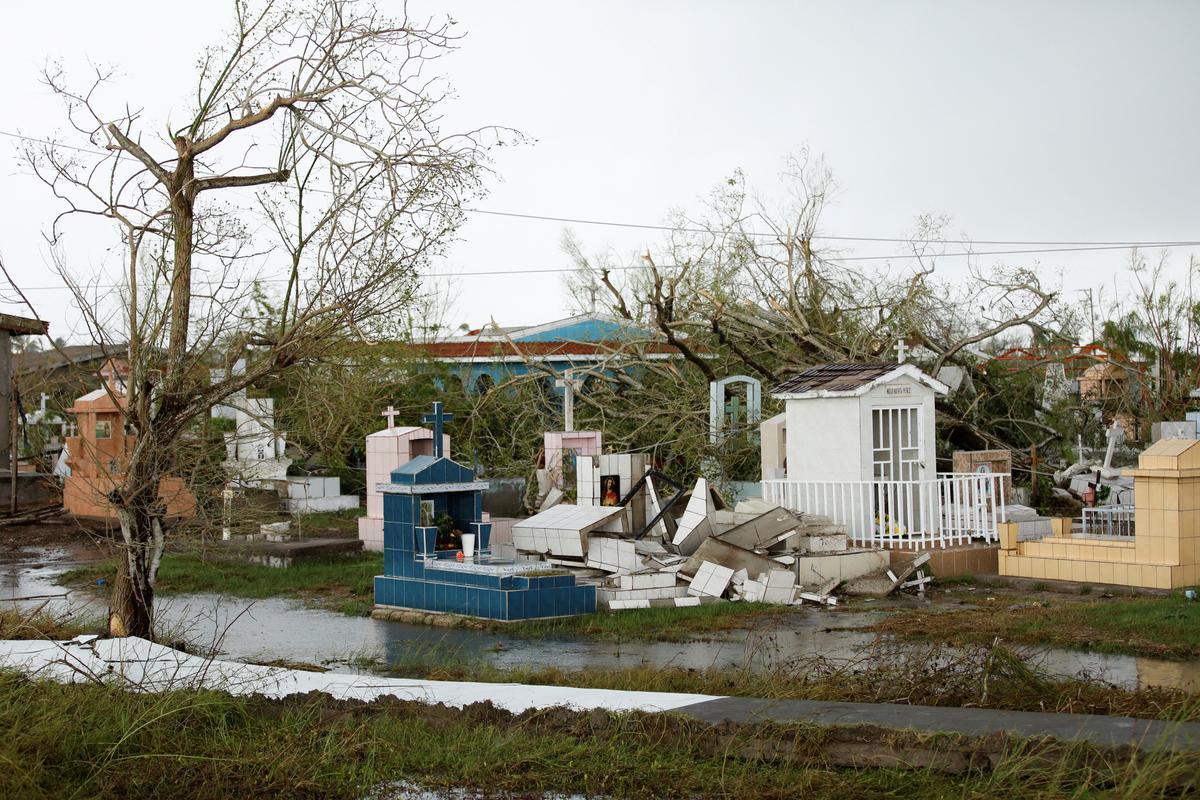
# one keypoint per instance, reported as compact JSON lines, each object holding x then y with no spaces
{"x":286,"y":629}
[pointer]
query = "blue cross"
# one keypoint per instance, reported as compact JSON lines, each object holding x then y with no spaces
{"x":438,"y":418}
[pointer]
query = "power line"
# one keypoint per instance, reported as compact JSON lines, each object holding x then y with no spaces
{"x":1082,"y":245}
{"x":830,"y":237}
{"x":560,"y":270}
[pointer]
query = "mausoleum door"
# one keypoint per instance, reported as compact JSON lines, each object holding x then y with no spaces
{"x":896,"y":443}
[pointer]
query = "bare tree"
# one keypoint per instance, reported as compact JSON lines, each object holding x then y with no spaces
{"x":289,"y":212}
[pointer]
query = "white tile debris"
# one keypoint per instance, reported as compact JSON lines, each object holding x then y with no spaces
{"x":561,"y":530}
{"x":143,"y":666}
{"x":757,"y":552}
{"x":710,"y":579}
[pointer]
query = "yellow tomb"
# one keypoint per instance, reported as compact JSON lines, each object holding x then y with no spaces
{"x":1162,"y":554}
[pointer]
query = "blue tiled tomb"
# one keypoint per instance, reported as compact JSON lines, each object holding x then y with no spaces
{"x":418,"y":575}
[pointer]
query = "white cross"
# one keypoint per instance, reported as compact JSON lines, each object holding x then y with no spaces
{"x":1115,"y":435}
{"x":391,"y":415}
{"x":568,"y":384}
{"x":901,"y":351}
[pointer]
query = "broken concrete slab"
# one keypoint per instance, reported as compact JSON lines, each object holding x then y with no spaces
{"x":883,"y":582}
{"x":664,"y":564}
{"x":699,"y":508}
{"x":814,"y":569}
{"x":562,"y":530}
{"x":665,"y":527}
{"x":648,"y":580}
{"x":607,"y":596}
{"x":613,"y":555}
{"x":753,"y":591}
{"x":762,"y":530}
{"x":650,"y":547}
{"x":553,"y":498}
{"x":780,"y":587}
{"x":822,"y":543}
{"x":724,"y":520}
{"x":820,"y":599}
{"x":687,"y":543}
{"x":710,"y":580}
{"x":754,"y":505}
{"x":728,"y":555}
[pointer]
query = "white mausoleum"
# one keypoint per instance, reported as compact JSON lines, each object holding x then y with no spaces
{"x":854,"y":422}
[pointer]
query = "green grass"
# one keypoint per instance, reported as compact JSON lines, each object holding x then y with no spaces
{"x":98,"y":741}
{"x":976,"y":676}
{"x":40,"y":624}
{"x":344,"y":584}
{"x":661,"y":624}
{"x":1166,"y":627}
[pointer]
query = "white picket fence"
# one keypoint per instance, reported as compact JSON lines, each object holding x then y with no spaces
{"x":951,"y":509}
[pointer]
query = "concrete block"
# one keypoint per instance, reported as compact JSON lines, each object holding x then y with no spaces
{"x":721,"y":552}
{"x":710,"y":580}
{"x":828,"y":543}
{"x":753,"y":591}
{"x":780,"y":587}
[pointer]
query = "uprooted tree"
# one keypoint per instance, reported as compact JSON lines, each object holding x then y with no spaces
{"x":311,"y":167}
{"x":748,"y":287}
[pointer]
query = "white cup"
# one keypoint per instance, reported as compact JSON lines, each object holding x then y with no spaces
{"x":468,"y":545}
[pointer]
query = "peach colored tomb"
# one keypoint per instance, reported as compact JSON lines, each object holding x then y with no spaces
{"x":98,"y":450}
{"x":1163,"y":552}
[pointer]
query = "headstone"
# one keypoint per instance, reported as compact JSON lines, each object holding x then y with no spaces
{"x":1185,"y":429}
{"x":976,"y":461}
{"x":719,"y":405}
{"x":255,"y":451}
{"x":1115,"y":436}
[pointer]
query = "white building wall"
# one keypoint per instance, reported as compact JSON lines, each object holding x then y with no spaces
{"x":824,"y":439}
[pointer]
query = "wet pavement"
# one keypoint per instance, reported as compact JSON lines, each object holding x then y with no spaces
{"x":283,"y":629}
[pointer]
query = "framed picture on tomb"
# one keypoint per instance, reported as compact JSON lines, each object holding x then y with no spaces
{"x":610,"y":490}
{"x":427,"y":513}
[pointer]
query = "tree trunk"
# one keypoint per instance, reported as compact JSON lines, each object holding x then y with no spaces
{"x":131,"y":607}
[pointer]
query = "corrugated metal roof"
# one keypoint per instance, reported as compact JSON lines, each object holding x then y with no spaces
{"x":834,"y":378}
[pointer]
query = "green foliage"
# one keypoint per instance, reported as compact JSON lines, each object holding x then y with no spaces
{"x":329,"y":409}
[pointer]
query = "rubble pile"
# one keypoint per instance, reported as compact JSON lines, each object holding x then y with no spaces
{"x":658,"y":547}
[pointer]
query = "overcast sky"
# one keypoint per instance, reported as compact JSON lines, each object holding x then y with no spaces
{"x":1021,"y":121}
